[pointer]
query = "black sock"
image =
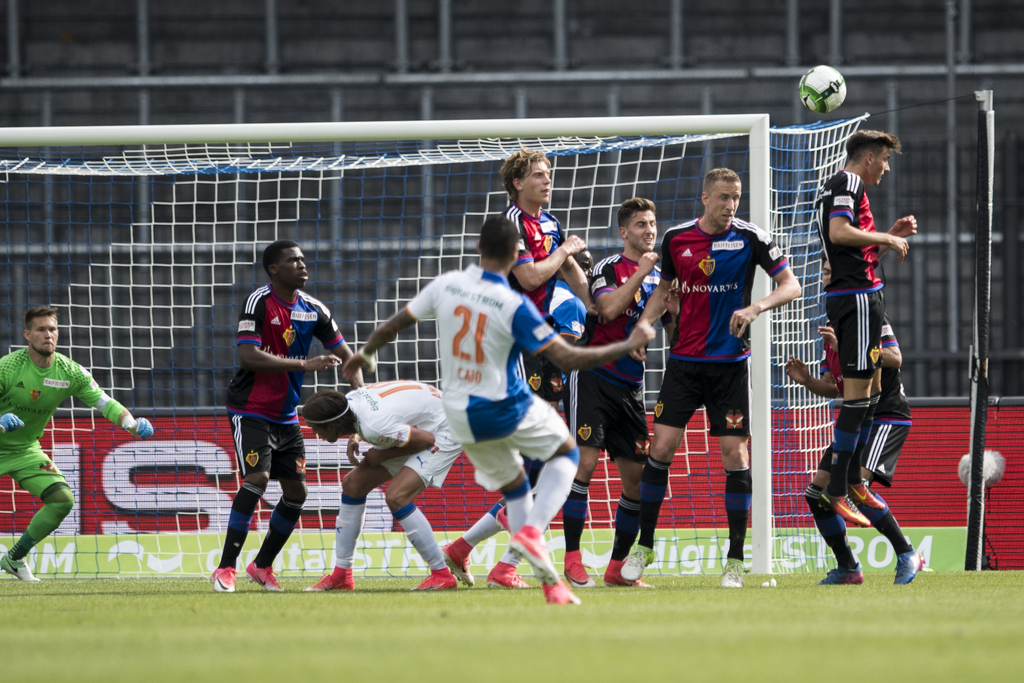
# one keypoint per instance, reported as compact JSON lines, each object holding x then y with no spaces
{"x":653,"y":485}
{"x":282,"y":521}
{"x":242,"y":509}
{"x":574,"y":514}
{"x":738,"y":488}
{"x":832,"y":528}
{"x":627,"y":525}
{"x":887,"y":526}
{"x":847,"y":434}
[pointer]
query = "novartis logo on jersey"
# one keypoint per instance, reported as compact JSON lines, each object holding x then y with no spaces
{"x":686,"y":288}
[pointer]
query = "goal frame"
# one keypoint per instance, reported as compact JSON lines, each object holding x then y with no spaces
{"x":755,"y":126}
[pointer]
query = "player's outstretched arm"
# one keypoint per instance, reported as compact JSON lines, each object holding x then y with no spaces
{"x":385,"y":333}
{"x":798,"y":371}
{"x":343,"y":353}
{"x":252,"y":358}
{"x":419,"y":441}
{"x":584,"y":358}
{"x":787,"y":288}
{"x":657,"y":304}
{"x":140,"y":428}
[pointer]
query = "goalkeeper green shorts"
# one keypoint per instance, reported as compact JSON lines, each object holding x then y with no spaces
{"x":32,"y":470}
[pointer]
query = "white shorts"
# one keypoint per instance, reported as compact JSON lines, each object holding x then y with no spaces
{"x":540,"y":433}
{"x":431,"y":467}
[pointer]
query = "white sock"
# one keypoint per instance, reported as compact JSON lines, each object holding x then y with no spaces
{"x":553,"y":488}
{"x":510,"y":558}
{"x":484,"y":528}
{"x":519,"y":509}
{"x":417,"y":530}
{"x":346,"y":531}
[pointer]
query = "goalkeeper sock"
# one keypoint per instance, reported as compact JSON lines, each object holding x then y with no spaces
{"x":574,"y":514}
{"x":738,"y":487}
{"x":282,"y":521}
{"x":553,"y":486}
{"x":242,"y":509}
{"x":347,"y":528}
{"x":518,"y":503}
{"x":831,"y":527}
{"x":484,"y":528}
{"x":627,"y":526}
{"x":57,"y":504}
{"x":887,"y":526}
{"x":417,"y":530}
{"x":853,"y":475}
{"x":653,"y":485}
{"x":847,"y":435}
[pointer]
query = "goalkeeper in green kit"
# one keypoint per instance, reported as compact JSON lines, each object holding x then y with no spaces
{"x":33,"y":383}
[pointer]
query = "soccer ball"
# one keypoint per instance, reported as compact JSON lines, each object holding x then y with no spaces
{"x":822,"y":89}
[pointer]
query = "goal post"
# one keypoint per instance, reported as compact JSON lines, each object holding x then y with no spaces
{"x":149,"y":238}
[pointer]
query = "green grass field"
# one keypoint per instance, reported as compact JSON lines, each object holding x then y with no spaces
{"x":943,"y":627}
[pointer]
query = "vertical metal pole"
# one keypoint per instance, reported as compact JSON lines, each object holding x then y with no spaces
{"x":13,"y":39}
{"x":892,"y":104}
{"x":336,"y":206}
{"x":521,"y":103}
{"x":445,"y":61}
{"x":707,"y":100}
{"x":613,"y":99}
{"x":760,"y":363}
{"x":144,"y":183}
{"x":46,"y":120}
{"x":561,"y":56}
{"x":142,"y":37}
{"x":793,"y":32}
{"x":966,"y":31}
{"x":427,"y":113}
{"x":401,"y":36}
{"x":979,"y":355}
{"x":239,"y":101}
{"x":273,"y":61}
{"x":675,"y":35}
{"x":835,"y":32}
{"x":1011,"y":261}
{"x":952,"y":255}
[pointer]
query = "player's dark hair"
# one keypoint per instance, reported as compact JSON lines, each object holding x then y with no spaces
{"x":39,"y":312}
{"x":518,"y":166}
{"x":498,"y":238}
{"x":716,"y":174}
{"x":272,"y":254}
{"x":325,"y":405}
{"x":864,"y":141}
{"x":633,"y":206}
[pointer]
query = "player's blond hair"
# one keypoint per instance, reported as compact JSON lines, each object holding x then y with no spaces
{"x":714,"y":175}
{"x":39,"y":312}
{"x":518,"y":166}
{"x":864,"y":141}
{"x":633,"y":206}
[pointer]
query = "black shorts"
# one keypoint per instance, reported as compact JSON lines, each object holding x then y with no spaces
{"x":722,"y":388}
{"x":544,"y":377}
{"x":857,"y":321}
{"x":606,"y":415}
{"x":882,"y":453}
{"x":264,"y":446}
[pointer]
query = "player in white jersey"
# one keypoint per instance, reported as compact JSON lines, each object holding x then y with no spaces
{"x":405,"y":424}
{"x":483,"y":326}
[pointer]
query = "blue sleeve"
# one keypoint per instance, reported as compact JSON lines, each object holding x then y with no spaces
{"x":529,"y":329}
{"x":570,"y":317}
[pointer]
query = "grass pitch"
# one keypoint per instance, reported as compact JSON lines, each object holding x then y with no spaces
{"x":943,"y":627}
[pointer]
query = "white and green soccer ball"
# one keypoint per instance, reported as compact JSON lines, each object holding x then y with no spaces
{"x":822,"y":89}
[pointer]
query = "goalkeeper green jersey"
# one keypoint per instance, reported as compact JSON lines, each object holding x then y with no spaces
{"x":34,"y":393}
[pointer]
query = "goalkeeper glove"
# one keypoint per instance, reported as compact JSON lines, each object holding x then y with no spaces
{"x":141,"y":428}
{"x":10,"y":422}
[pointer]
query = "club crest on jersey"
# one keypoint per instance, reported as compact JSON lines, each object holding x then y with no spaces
{"x":734,"y":420}
{"x":556,"y":383}
{"x":35,"y":394}
{"x":289,"y":336}
{"x":636,"y":297}
{"x":549,"y":242}
{"x":875,"y":353}
{"x":534,"y":382}
{"x":252,"y":458}
{"x":707,"y":265}
{"x":658,"y":409}
{"x":585,"y":431}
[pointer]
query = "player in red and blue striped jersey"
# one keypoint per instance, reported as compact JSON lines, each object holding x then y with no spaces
{"x":275,"y":332}
{"x":853,"y":303}
{"x":890,"y":429}
{"x":714,"y":259}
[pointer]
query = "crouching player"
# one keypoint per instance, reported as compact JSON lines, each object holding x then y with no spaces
{"x":33,"y":383}
{"x":890,"y":428}
{"x":412,"y":447}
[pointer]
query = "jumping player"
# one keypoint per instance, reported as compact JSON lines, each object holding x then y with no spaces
{"x":714,"y":258}
{"x":275,"y":331}
{"x":33,"y":383}
{"x":483,"y":326}
{"x":853,"y":303}
{"x":404,"y":422}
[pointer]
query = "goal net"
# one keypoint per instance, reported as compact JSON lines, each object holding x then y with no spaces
{"x":148,"y":241}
